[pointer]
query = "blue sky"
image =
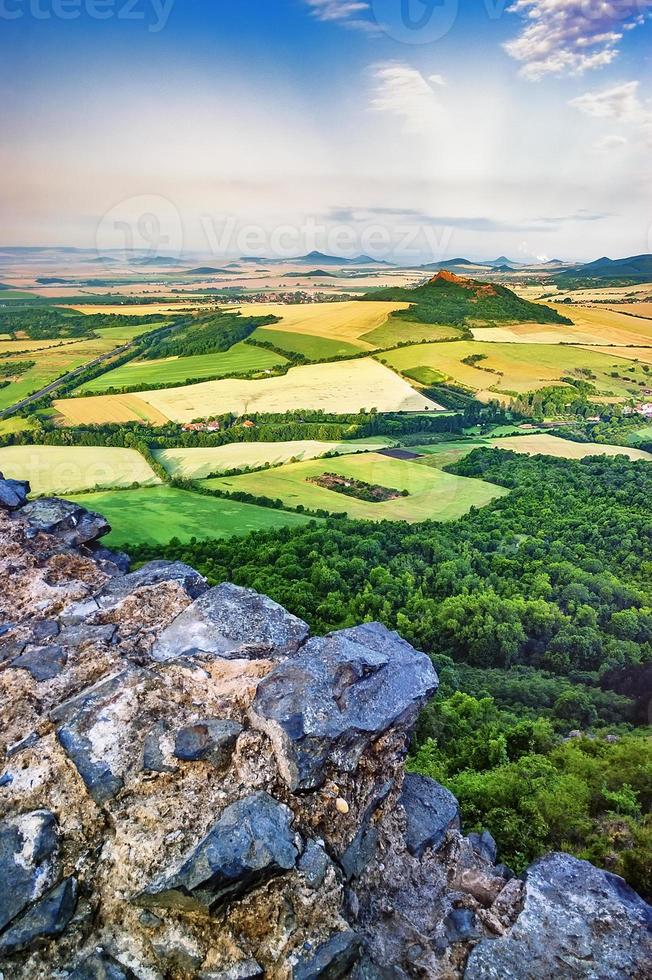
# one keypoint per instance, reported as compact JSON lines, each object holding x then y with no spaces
{"x":523,"y":129}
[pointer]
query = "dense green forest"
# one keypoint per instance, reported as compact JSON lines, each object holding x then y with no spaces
{"x":51,"y":323}
{"x":208,"y":334}
{"x":538,"y":612}
{"x":442,"y":301}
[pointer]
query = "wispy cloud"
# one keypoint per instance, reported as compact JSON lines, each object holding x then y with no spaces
{"x":404,"y":92}
{"x":355,"y":14}
{"x":475,"y":223}
{"x":623,"y":106}
{"x":572,"y":36}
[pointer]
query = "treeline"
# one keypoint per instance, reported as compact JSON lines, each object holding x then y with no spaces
{"x":207,"y":334}
{"x":51,"y":323}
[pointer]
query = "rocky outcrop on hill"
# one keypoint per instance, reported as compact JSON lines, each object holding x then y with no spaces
{"x":193,"y":787}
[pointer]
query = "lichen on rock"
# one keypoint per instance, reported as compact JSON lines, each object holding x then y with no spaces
{"x":192,"y":787}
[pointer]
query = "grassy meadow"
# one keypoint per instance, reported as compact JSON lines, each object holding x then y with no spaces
{"x":314,"y":348}
{"x":177,"y":370}
{"x":158,"y":514}
{"x":554,"y":446}
{"x":197,"y":464}
{"x":433,"y":494}
{"x":347,"y":321}
{"x":342,"y":386}
{"x":69,"y":469}
{"x":517,"y":368}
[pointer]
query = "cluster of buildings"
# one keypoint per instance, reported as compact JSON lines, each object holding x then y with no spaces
{"x":213,"y":426}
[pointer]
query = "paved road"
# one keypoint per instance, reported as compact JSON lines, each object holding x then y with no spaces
{"x":66,"y":377}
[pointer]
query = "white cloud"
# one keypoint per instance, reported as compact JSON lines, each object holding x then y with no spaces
{"x":572,"y":36}
{"x":406,"y":93}
{"x":610,"y":142}
{"x":349,"y":13}
{"x":622,"y":105}
{"x":620,"y":102}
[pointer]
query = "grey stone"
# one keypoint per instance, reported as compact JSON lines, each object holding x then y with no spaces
{"x":82,"y":634}
{"x":251,"y":842}
{"x":29,"y":846}
{"x":101,"y":782}
{"x":119,"y":588}
{"x":577,"y":923}
{"x":339,"y":694}
{"x":100,"y":769}
{"x":43,"y":629}
{"x":244,"y":970}
{"x":13,"y":493}
{"x":71,"y":524}
{"x":314,"y":864}
{"x":329,"y":961}
{"x":43,"y":663}
{"x":47,"y":918}
{"x":460,"y":925}
{"x":484,"y":846}
{"x":101,"y":554}
{"x":231,"y":622}
{"x":149,"y":919}
{"x":153,"y":573}
{"x":153,"y":759}
{"x":210,"y":739}
{"x":101,"y":966}
{"x":430,"y":812}
{"x":362,"y":848}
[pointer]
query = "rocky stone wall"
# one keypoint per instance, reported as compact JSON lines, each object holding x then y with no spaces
{"x":191,"y":786}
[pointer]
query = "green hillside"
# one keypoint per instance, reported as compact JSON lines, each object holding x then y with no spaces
{"x":451,"y":299}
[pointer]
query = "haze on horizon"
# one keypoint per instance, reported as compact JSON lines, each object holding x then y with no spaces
{"x":522,"y":129}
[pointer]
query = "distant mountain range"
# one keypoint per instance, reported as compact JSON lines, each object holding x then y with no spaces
{"x":315,"y":259}
{"x":629,"y":271}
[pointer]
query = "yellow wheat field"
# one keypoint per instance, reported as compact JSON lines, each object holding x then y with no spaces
{"x":554,"y":446}
{"x":336,"y":321}
{"x":67,"y":469}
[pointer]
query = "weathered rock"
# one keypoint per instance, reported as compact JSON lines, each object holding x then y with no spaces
{"x":331,"y":960}
{"x":430,"y":812}
{"x":101,"y":966}
{"x":577,"y":922}
{"x":251,"y":842}
{"x":484,"y":846}
{"x":95,"y":727}
{"x":327,"y":704}
{"x":13,"y":493}
{"x":118,"y":589}
{"x":232,"y":622}
{"x":119,"y":559}
{"x":153,"y":759}
{"x":244,"y":970}
{"x":47,"y":918}
{"x":43,"y":663}
{"x":29,"y":846}
{"x":314,"y":864}
{"x":209,"y":739}
{"x":69,"y":523}
{"x":460,"y":925}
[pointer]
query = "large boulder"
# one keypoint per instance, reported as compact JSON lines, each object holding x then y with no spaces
{"x":69,"y":523}
{"x":251,"y":842}
{"x":330,"y":960}
{"x":330,"y":702}
{"x":232,"y":622}
{"x":577,"y":922}
{"x":430,"y":812}
{"x":13,"y":493}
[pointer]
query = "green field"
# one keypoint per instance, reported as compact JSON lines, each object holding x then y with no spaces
{"x":433,"y":494}
{"x":518,"y":368}
{"x":68,"y":469}
{"x":196,"y":464}
{"x":441,"y":454}
{"x":314,"y":348}
{"x":643,"y":434}
{"x":240,"y":359}
{"x":398,"y":331}
{"x":157,"y":515}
